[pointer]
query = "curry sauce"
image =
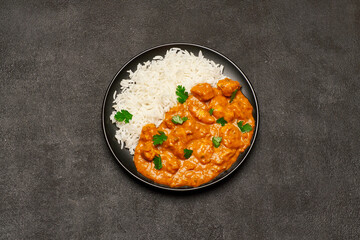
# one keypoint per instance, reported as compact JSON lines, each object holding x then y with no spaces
{"x":201,"y":111}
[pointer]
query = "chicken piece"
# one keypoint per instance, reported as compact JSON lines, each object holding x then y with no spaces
{"x":222,"y":155}
{"x":241,"y":111}
{"x":181,"y":133}
{"x":229,"y":115}
{"x":148,"y":131}
{"x":179,"y":110}
{"x":174,"y":145}
{"x":199,"y":110}
{"x":203,"y":150}
{"x":189,"y":165}
{"x":148,"y":151}
{"x":226,"y":154}
{"x":170,"y":164}
{"x":219,"y":104}
{"x":231,"y":136}
{"x":189,"y":126}
{"x":221,"y":108}
{"x":219,"y":101}
{"x":203,"y":91}
{"x":241,"y":108}
{"x":228,"y":86}
{"x":201,"y":130}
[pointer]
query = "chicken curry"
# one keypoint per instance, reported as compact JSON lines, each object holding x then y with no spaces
{"x":199,"y":138}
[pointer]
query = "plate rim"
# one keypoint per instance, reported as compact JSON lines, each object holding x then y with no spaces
{"x":164,"y":187}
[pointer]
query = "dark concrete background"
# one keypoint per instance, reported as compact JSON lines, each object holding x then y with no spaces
{"x":60,"y":181}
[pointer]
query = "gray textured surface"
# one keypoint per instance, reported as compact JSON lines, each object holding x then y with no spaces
{"x":59,"y":180}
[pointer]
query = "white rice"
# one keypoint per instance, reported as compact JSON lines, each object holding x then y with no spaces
{"x":150,"y":91}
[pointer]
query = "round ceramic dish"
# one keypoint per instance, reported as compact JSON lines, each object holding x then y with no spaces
{"x":230,"y":70}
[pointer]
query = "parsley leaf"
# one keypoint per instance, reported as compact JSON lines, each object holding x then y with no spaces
{"x":187,"y":153}
{"x":211,"y":111}
{"x":244,"y":128}
{"x":178,"y":120}
{"x":222,"y":121}
{"x":123,"y":115}
{"x":157,"y":162}
{"x":159,"y":138}
{"x":233,"y":95}
{"x":182,"y":95}
{"x":216,"y":141}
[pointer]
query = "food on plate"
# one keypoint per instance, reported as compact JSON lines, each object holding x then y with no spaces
{"x":199,"y":138}
{"x":182,"y":119}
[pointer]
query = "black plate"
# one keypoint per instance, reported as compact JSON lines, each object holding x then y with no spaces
{"x":230,"y":70}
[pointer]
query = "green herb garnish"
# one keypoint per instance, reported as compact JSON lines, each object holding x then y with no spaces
{"x":187,"y":153}
{"x":216,"y":141}
{"x":159,"y":138}
{"x":157,"y":162}
{"x":233,"y":95}
{"x":182,"y":94}
{"x":222,"y":121}
{"x":178,"y":120}
{"x":211,"y":111}
{"x":244,"y":128}
{"x":123,"y":115}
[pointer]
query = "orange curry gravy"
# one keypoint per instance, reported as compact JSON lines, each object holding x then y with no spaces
{"x":206,"y":161}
